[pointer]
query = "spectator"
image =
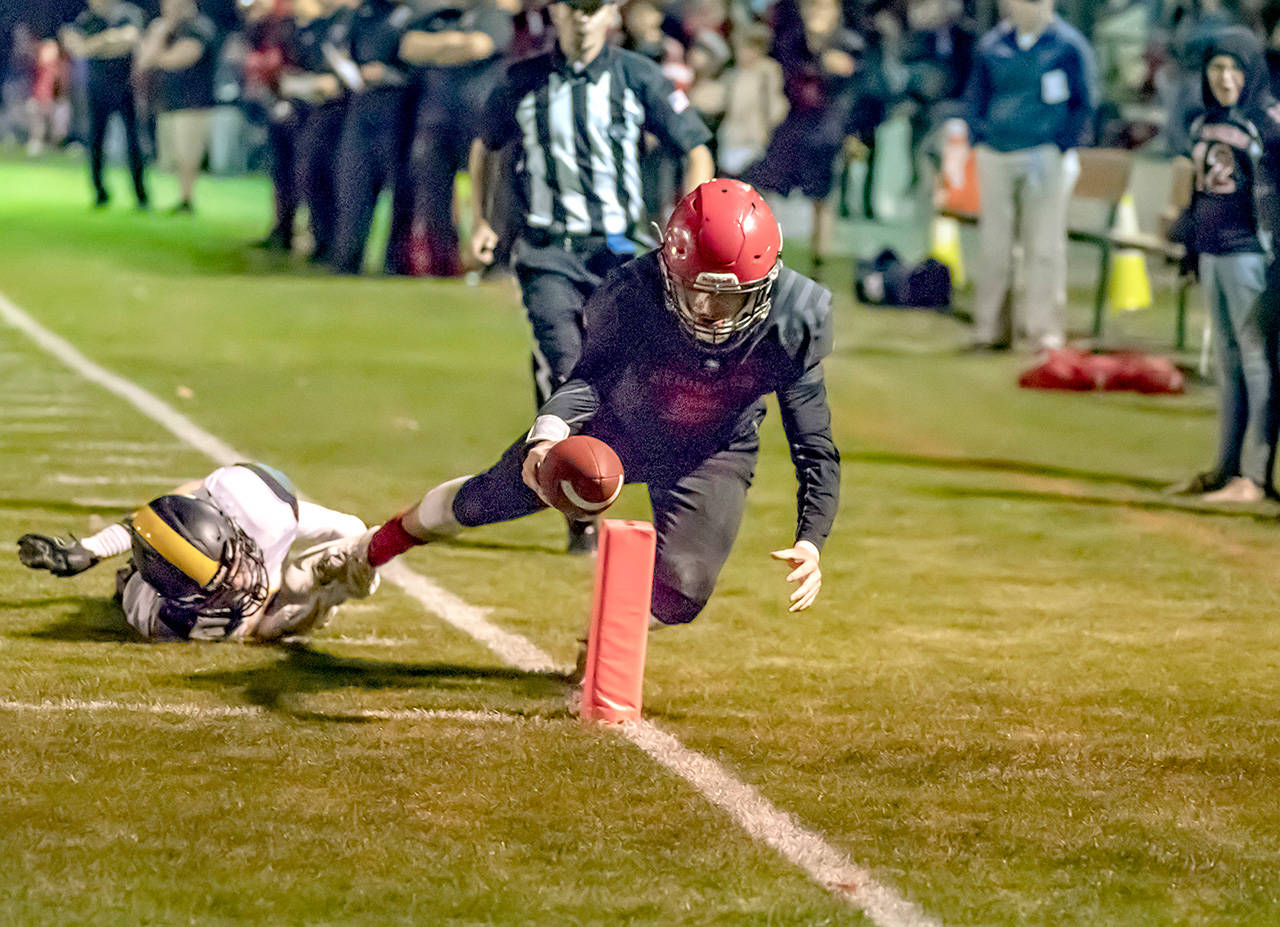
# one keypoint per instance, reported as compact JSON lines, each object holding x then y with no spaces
{"x":1191,"y":24}
{"x":367,"y":60}
{"x":20,"y":66}
{"x":1121,"y":38}
{"x":754,"y":103}
{"x":1234,"y":154}
{"x":268,"y":31}
{"x":456,"y":50}
{"x":1271,"y":29}
{"x":577,"y":113}
{"x":106,"y":34}
{"x":937,"y":52}
{"x":180,"y":50}
{"x":643,"y":33}
{"x":1030,"y":98}
{"x":310,"y":88}
{"x":48,"y":110}
{"x":708,"y":57}
{"x":209,"y":561}
{"x":819,"y":58}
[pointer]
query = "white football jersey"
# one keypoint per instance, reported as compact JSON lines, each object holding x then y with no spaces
{"x":262,"y":503}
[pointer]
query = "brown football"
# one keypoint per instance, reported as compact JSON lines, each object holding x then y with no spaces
{"x":581,"y":476}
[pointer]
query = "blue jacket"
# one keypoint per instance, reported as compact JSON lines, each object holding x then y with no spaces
{"x":1046,"y":94}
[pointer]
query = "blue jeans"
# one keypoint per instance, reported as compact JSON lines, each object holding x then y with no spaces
{"x":1232,"y":286}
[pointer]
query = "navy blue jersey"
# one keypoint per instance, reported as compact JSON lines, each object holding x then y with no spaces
{"x":376,"y":30}
{"x":665,"y":404}
{"x":192,"y":87}
{"x":456,"y":94}
{"x":304,"y":45}
{"x":103,"y":71}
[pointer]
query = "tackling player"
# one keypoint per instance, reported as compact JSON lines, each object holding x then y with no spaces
{"x":209,"y":561}
{"x":681,"y":348}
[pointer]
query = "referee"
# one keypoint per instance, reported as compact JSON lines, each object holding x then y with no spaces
{"x":577,"y":114}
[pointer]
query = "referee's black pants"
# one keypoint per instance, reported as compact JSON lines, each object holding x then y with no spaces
{"x":556,"y":275}
{"x":105,"y":99}
{"x":367,"y":159}
{"x":697,"y":510}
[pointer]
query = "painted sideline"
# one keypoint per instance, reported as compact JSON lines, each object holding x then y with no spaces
{"x":75,"y":705}
{"x":752,"y":812}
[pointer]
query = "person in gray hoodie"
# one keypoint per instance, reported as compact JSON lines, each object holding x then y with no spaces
{"x":1235,"y":150}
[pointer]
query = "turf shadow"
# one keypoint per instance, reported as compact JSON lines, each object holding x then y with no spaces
{"x":1149,"y":505}
{"x":515,"y":547}
{"x":998,"y":465}
{"x":304,"y":670}
{"x":93,"y":619}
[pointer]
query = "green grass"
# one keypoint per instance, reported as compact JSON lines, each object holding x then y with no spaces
{"x":1034,"y":691}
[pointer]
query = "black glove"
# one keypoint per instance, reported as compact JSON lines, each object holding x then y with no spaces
{"x":60,"y":556}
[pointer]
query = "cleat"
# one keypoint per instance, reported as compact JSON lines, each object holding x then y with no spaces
{"x":60,"y":556}
{"x":579,"y":671}
{"x":343,"y":565}
{"x":582,"y":538}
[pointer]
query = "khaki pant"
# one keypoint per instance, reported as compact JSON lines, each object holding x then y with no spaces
{"x":182,"y":138}
{"x":1024,"y":192}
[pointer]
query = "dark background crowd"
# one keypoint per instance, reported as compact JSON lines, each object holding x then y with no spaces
{"x":812,"y":78}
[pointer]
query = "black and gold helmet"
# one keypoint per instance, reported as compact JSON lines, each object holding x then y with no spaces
{"x":199,"y":560}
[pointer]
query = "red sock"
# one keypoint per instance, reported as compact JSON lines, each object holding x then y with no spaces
{"x":389,"y":541}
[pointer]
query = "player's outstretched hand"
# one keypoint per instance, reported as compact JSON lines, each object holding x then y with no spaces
{"x":803,"y":559}
{"x":60,"y":556}
{"x":532,"y":460}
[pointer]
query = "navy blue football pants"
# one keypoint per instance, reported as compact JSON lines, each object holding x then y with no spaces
{"x":696,"y":514}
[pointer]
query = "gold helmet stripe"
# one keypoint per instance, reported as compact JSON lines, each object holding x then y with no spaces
{"x":173,"y":547}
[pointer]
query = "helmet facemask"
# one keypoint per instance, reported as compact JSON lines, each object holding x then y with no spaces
{"x":238,"y":589}
{"x":714,"y":330}
{"x":198,"y":559}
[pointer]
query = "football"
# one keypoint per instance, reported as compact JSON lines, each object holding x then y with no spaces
{"x":581,"y":476}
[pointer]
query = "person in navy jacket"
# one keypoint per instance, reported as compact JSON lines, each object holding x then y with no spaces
{"x":1031,"y":97}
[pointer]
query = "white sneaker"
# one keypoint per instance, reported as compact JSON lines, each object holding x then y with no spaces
{"x":1239,"y":489}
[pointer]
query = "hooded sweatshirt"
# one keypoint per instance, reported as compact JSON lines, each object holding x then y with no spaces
{"x":1234,"y":151}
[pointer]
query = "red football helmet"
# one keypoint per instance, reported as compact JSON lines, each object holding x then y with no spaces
{"x":719,"y":261}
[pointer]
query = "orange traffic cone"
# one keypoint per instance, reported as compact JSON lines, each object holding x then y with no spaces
{"x":958,"y":182}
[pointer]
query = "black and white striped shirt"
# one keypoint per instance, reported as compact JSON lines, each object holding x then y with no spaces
{"x":580,"y":132}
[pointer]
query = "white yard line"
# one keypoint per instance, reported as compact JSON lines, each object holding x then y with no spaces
{"x":90,"y":706}
{"x":137,"y":479}
{"x":804,"y":848}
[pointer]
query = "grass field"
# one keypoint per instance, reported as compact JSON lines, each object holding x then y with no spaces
{"x":1033,"y":692}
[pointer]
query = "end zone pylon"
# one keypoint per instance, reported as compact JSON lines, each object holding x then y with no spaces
{"x":613,"y":679}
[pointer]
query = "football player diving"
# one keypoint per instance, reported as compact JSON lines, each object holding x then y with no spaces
{"x":209,"y":561}
{"x":681,"y":347}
